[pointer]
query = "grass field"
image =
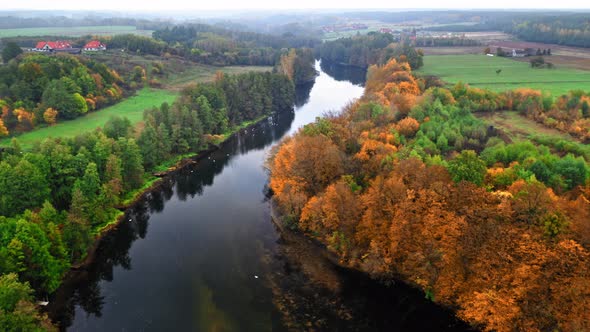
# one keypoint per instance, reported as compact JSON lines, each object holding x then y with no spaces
{"x":518,"y":127}
{"x":180,"y":74}
{"x":132,"y":108}
{"x":202,"y":73}
{"x":74,"y":31}
{"x":480,"y":71}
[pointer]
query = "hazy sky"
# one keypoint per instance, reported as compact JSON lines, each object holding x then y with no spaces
{"x":174,"y":5}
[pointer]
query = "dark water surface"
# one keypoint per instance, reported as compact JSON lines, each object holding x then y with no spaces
{"x":201,"y":253}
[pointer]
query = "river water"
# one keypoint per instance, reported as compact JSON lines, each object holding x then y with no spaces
{"x":200,"y":253}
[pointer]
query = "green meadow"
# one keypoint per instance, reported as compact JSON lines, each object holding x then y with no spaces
{"x":132,"y":108}
{"x":481,"y":71}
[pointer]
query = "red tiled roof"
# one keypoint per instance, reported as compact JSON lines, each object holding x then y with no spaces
{"x":93,"y":44}
{"x":57,"y":45}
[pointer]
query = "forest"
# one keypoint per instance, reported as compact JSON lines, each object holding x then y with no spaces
{"x":55,"y":199}
{"x":572,"y":30}
{"x":567,"y":28}
{"x":220,"y":46}
{"x":407,"y":184}
{"x":44,"y":21}
{"x":370,"y":49}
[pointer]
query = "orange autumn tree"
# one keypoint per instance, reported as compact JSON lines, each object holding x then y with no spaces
{"x":49,"y":116}
{"x":3,"y":129}
{"x":26,"y":120}
{"x":408,"y":126}
{"x":510,"y":260}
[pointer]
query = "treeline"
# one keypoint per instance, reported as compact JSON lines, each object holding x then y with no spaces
{"x":407,"y":184}
{"x":445,"y":42}
{"x":57,"y":197}
{"x":219,"y":46}
{"x":370,"y":49}
{"x":56,"y":21}
{"x":38,"y":89}
{"x":188,"y":34}
{"x":134,"y":43}
{"x":565,"y":29}
{"x":206,"y":111}
{"x":570,"y":29}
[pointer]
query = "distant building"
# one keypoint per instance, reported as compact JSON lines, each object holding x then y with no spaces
{"x":45,"y":46}
{"x":522,"y":53}
{"x":94,"y":45}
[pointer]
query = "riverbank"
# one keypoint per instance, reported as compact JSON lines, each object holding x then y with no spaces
{"x":327,"y":281}
{"x":152,"y":182}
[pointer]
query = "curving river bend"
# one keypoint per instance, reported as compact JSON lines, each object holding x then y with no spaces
{"x":200,"y":253}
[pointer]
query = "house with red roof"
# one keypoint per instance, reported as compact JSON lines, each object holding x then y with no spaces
{"x":45,"y":46}
{"x":94,"y":45}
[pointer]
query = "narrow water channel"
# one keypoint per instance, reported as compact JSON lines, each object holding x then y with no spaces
{"x":201,"y":253}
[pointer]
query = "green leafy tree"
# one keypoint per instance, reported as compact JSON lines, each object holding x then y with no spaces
{"x":117,"y":127}
{"x":13,"y":291}
{"x":131,"y":163}
{"x":21,"y":187}
{"x":206,"y":115}
{"x":17,"y":311}
{"x":148,"y":143}
{"x":63,"y":95}
{"x":467,"y":167}
{"x":10,"y":51}
{"x":28,"y":254}
{"x":573,"y":170}
{"x":89,"y":184}
{"x":76,"y":236}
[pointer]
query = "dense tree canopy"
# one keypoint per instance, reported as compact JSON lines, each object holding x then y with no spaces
{"x":366,"y":50}
{"x":407,"y":184}
{"x":10,"y":51}
{"x":56,"y":197}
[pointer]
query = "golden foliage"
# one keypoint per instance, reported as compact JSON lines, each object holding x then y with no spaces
{"x":485,"y":253}
{"x":50,"y":116}
{"x":3,"y":129}
{"x":408,"y":126}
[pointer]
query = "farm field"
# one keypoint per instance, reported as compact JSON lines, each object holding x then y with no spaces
{"x":375,"y":25}
{"x":74,"y":31}
{"x":132,"y":108}
{"x":480,"y":71}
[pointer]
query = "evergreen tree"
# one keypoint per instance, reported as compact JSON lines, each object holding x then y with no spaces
{"x":131,"y":163}
{"x":148,"y":143}
{"x":205,"y":115}
{"x":10,"y":51}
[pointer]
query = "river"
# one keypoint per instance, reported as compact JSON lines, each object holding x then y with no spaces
{"x":200,"y":253}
